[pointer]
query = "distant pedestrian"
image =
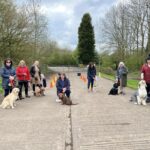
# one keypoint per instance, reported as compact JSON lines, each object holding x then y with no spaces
{"x":8,"y":76}
{"x":23,"y":76}
{"x":145,"y":74}
{"x":122,"y":77}
{"x":91,"y":75}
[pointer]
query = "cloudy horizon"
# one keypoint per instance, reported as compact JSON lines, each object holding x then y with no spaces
{"x":64,"y":17}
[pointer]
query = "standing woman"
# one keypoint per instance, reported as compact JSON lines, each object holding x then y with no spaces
{"x":23,"y":76}
{"x":91,"y":74}
{"x":8,"y":74}
{"x":122,"y":77}
{"x":36,"y":75}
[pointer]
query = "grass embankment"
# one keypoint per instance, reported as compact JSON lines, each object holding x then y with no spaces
{"x":132,"y":83}
{"x":1,"y":90}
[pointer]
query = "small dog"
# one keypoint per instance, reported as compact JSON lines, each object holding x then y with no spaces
{"x":39,"y":90}
{"x":65,"y":100}
{"x":140,"y":96}
{"x":114,"y":90}
{"x":10,"y":99}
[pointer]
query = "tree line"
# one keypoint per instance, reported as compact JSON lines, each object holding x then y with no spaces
{"x":24,"y":35}
{"x":126,"y":33}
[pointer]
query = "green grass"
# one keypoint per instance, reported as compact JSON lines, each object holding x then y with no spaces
{"x":1,"y":90}
{"x":130,"y":83}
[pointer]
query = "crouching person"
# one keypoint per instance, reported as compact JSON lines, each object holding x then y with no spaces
{"x":63,"y":85}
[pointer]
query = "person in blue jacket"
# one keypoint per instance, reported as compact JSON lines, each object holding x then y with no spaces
{"x":8,"y":75}
{"x":91,"y":74}
{"x":63,"y":85}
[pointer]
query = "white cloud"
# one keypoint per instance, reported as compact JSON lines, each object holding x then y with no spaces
{"x":65,"y":16}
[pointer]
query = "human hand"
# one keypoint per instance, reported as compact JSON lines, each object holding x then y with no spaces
{"x":11,"y":77}
{"x":24,"y":74}
{"x":64,"y":90}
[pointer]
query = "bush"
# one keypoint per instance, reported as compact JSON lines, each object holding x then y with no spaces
{"x":107,"y":70}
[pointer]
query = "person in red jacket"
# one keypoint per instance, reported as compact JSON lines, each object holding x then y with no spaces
{"x":23,"y":76}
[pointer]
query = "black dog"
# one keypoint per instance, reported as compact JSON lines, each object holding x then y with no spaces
{"x":114,"y":90}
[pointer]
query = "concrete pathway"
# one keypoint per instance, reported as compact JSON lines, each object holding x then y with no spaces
{"x":99,"y":121}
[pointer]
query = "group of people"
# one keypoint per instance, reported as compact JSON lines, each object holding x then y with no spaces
{"x":22,"y":75}
{"x":25,"y":76}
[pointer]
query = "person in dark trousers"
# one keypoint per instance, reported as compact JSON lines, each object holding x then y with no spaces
{"x":35,"y":75}
{"x":23,"y":76}
{"x":63,"y":85}
{"x":8,"y":76}
{"x":91,"y":74}
{"x":122,"y":73}
{"x":145,"y":75}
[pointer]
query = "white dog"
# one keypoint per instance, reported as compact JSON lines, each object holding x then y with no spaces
{"x":142,"y":93}
{"x":10,"y":99}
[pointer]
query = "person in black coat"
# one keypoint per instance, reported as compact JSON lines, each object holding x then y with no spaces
{"x":91,"y":74}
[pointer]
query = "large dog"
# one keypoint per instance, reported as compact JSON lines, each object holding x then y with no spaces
{"x":9,"y":100}
{"x":140,"y":95}
{"x":65,"y":100}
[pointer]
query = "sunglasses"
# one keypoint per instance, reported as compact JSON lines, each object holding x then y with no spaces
{"x":8,"y":62}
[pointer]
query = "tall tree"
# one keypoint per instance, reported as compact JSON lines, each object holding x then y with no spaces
{"x":86,"y":40}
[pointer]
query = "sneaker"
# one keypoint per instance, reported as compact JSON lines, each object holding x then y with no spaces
{"x":21,"y":97}
{"x":58,"y":100}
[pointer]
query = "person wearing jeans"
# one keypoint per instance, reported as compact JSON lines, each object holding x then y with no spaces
{"x":91,"y":74}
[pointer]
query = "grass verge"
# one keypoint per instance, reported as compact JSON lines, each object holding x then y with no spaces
{"x":130,"y":83}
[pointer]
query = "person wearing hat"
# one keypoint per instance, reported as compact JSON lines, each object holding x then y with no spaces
{"x":145,"y":74}
{"x":122,"y":77}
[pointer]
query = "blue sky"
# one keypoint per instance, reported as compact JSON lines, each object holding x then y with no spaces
{"x":64,"y":17}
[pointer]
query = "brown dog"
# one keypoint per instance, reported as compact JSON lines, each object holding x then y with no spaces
{"x":39,"y":91}
{"x":65,"y":100}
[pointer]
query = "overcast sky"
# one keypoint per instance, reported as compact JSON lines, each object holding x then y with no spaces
{"x":64,"y":17}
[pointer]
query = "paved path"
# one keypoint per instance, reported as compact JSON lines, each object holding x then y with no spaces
{"x":99,"y":121}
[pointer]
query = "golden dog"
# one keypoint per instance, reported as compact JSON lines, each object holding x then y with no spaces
{"x":9,"y":100}
{"x":39,"y":91}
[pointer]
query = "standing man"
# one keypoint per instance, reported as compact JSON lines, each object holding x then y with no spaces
{"x":145,"y":74}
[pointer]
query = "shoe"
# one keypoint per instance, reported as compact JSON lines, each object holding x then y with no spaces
{"x":27,"y":96}
{"x":58,"y":100}
{"x":121,"y":92}
{"x":21,"y":97}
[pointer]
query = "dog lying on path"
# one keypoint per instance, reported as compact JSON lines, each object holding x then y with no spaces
{"x":65,"y":100}
{"x":9,"y":100}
